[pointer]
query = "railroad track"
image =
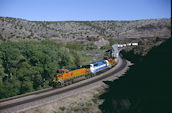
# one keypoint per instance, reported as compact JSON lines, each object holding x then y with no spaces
{"x":55,"y":91}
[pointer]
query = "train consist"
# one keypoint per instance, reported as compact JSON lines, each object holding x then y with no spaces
{"x":68,"y":76}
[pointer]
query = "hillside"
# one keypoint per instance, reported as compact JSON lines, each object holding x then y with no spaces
{"x":146,"y":86}
{"x":82,"y":31}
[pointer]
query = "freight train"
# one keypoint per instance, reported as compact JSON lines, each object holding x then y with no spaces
{"x":68,"y":76}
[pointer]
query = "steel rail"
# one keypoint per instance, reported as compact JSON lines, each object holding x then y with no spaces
{"x":123,"y":64}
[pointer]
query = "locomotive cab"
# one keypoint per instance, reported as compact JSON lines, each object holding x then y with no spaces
{"x":59,"y":74}
{"x":56,"y":77}
{"x":92,"y":68}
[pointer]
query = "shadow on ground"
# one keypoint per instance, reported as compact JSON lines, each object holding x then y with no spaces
{"x":146,"y":86}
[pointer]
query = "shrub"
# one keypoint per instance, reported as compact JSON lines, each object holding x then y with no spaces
{"x":33,"y":64}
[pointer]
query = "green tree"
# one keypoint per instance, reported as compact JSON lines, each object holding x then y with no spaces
{"x":31,"y":65}
{"x":26,"y":86}
{"x":37,"y":82}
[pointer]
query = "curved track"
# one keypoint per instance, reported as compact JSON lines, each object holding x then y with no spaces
{"x":56,"y":91}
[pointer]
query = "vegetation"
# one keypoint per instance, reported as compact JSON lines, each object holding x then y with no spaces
{"x":83,"y":30}
{"x":1,"y":38}
{"x":27,"y":66}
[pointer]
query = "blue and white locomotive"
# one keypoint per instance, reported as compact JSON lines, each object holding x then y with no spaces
{"x":99,"y":66}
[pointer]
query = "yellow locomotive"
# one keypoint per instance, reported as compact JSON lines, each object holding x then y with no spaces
{"x":66,"y":77}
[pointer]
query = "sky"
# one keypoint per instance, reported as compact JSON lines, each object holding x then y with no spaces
{"x":78,"y":10}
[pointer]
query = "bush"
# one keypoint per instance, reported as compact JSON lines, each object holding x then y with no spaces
{"x":31,"y":65}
